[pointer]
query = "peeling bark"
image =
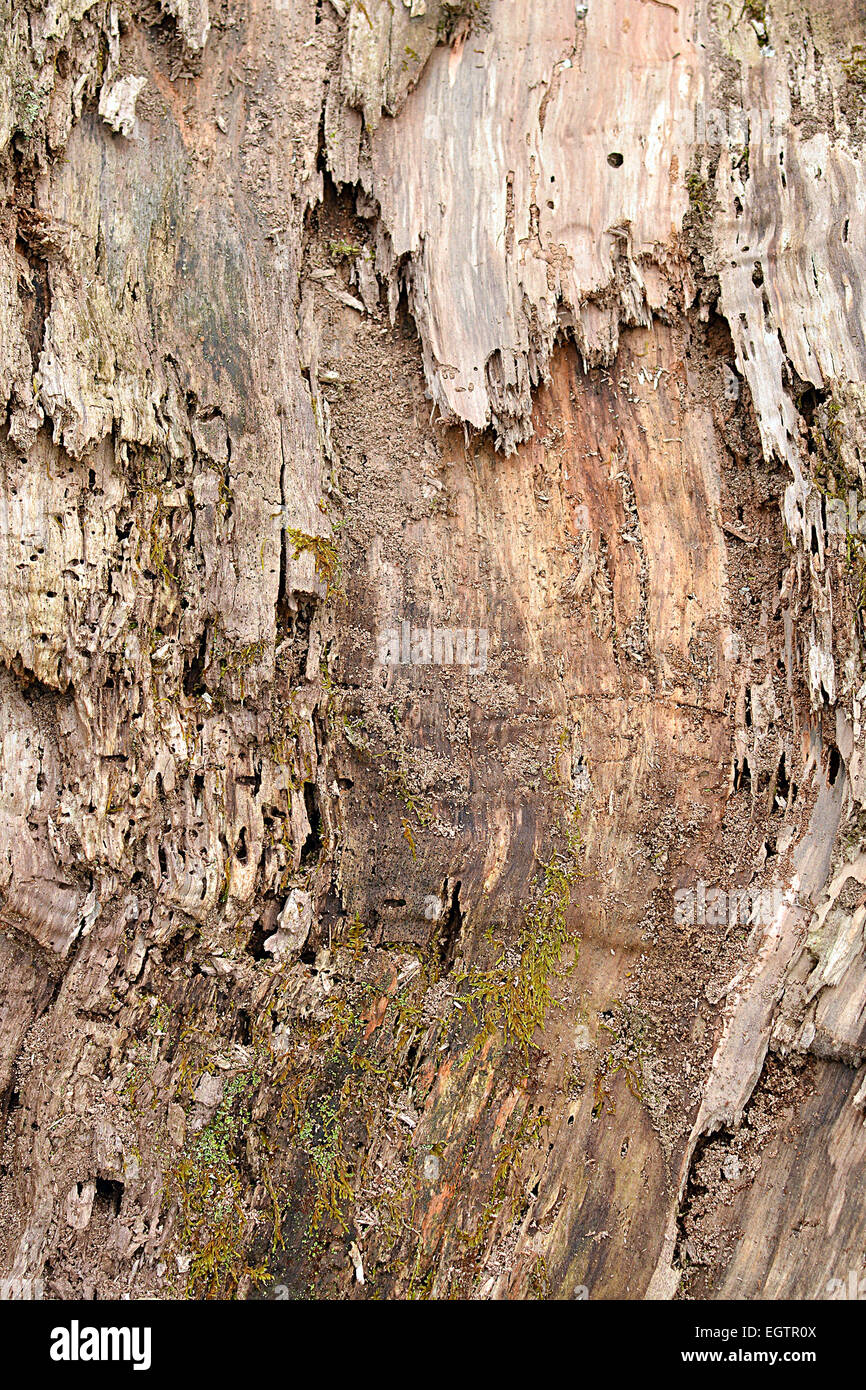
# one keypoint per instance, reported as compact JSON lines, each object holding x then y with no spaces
{"x":432,"y":543}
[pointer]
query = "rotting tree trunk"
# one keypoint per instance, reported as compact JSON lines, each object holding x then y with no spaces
{"x":326,"y":964}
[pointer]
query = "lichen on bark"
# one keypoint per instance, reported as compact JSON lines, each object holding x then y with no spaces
{"x":358,"y":976}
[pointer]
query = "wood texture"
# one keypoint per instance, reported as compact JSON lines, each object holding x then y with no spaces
{"x":335,"y":975}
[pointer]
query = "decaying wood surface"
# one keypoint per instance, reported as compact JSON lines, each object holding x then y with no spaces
{"x":327,"y":327}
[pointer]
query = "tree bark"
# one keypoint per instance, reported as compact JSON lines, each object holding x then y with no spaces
{"x":431,"y":624}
